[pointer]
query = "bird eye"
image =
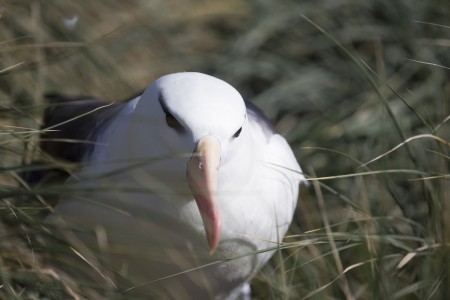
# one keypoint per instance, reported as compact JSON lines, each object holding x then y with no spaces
{"x":237,"y":133}
{"x":173,"y":122}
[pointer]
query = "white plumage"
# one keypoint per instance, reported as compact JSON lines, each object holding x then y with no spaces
{"x":181,"y":177}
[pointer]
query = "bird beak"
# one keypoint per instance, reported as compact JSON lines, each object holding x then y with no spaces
{"x":202,"y":177}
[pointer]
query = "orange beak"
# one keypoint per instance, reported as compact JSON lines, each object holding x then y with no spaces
{"x":202,"y":177}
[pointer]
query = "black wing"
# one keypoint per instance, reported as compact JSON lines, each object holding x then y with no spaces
{"x":73,"y":124}
{"x":70,"y":127}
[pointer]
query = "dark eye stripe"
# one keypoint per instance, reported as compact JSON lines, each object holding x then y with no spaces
{"x":173,"y":122}
{"x":237,"y":133}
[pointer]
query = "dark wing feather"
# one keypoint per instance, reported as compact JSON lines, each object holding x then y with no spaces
{"x":70,"y":127}
{"x":74,"y":124}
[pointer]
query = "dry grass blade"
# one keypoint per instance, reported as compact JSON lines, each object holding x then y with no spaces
{"x":342,"y":280}
{"x":428,"y":63}
{"x":421,"y":136}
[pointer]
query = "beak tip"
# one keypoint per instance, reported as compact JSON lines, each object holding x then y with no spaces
{"x":213,"y":239}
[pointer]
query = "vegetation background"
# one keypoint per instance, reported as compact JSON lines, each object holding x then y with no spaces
{"x":360,"y":89}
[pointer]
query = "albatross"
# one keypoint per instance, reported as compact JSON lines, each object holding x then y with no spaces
{"x":183,"y":192}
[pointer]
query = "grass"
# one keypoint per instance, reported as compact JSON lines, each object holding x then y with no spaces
{"x":359,"y":88}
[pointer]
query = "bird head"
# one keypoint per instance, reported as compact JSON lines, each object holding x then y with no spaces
{"x":208,"y":114}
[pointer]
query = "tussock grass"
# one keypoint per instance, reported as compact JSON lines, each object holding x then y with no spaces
{"x":359,"y":88}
